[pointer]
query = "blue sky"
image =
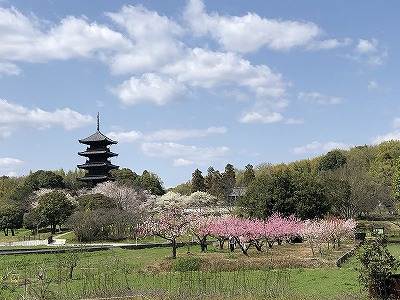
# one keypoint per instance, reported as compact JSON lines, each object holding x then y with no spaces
{"x":191,"y":84}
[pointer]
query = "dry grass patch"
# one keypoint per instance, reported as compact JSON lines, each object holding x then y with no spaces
{"x":278,"y":257}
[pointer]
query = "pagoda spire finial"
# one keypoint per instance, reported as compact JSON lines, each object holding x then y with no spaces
{"x":98,"y":121}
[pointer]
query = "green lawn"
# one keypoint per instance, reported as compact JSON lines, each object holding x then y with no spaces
{"x":118,"y":271}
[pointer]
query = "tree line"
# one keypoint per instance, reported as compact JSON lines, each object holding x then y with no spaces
{"x":350,"y":183}
{"x":48,"y":198}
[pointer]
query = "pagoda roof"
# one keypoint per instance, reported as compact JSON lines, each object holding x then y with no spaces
{"x":97,"y":164}
{"x":97,"y":137}
{"x":97,"y":152}
{"x":96,"y":178}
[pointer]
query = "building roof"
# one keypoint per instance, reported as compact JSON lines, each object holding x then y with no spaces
{"x":97,"y":137}
{"x":96,"y":178}
{"x":97,"y":152}
{"x":90,"y":165}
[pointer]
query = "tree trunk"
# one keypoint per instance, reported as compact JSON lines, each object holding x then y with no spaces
{"x":221,"y":243}
{"x":242,"y":246}
{"x":71,"y":269}
{"x":174,"y":248}
{"x":203,"y":244}
{"x":258,"y":246}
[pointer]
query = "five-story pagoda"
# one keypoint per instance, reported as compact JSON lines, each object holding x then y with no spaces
{"x":98,"y":164}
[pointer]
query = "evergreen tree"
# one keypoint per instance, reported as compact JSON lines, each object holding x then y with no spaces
{"x":228,"y":182}
{"x":248,"y":175}
{"x":208,"y":180}
{"x":198,"y":184}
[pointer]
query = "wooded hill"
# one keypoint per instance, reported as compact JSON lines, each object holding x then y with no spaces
{"x":348,"y":183}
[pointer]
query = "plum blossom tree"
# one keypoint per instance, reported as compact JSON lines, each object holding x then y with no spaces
{"x":169,"y":219}
{"x":171,"y":201}
{"x":128,"y":198}
{"x":334,"y":230}
{"x":169,"y":225}
{"x":199,"y":227}
{"x":219,"y":228}
{"x":201,"y":201}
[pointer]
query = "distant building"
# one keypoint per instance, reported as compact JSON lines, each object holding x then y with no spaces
{"x":236,"y":193}
{"x":98,"y":154}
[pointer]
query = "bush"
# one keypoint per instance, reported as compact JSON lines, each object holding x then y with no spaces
{"x":187,"y":264}
{"x":377,"y":266}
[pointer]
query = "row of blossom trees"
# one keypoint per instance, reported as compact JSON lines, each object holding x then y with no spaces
{"x":172,"y":219}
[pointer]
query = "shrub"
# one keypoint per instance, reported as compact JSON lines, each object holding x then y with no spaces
{"x":377,"y":264}
{"x":187,"y":264}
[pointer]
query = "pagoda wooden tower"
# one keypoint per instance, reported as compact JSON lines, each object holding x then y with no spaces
{"x":98,"y":154}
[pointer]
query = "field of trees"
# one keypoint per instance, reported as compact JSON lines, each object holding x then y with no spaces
{"x":319,"y":197}
{"x":288,"y":271}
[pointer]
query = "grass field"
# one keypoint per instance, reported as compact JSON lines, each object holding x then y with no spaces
{"x":284,"y":272}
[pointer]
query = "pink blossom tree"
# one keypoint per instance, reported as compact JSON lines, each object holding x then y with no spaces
{"x":169,"y":225}
{"x":219,"y":228}
{"x":333,"y":230}
{"x":200,"y":228}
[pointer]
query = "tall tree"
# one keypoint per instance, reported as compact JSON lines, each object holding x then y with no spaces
{"x":126,"y":177}
{"x":55,"y":208}
{"x":10,"y":218}
{"x":285,"y":192}
{"x":198,"y":184}
{"x":45,"y":179}
{"x":228,"y":182}
{"x":208,"y":179}
{"x":33,"y":220}
{"x":332,"y":160}
{"x":217,"y":188}
{"x":151,"y":182}
{"x":248,"y":175}
{"x":383,"y":166}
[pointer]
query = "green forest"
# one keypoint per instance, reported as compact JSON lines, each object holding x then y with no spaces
{"x":361,"y":182}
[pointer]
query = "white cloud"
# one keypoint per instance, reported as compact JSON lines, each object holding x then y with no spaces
{"x":231,"y":31}
{"x":318,"y":98}
{"x":396,"y":123}
{"x":149,"y":87}
{"x":329,"y":44}
{"x":197,"y":155}
{"x":180,"y":134}
{"x":7,"y":163}
{"x":373,"y":85}
{"x":369,"y":52}
{"x":165,"y":134}
{"x":395,"y":135}
{"x":365,"y":46}
{"x":257,"y":117}
{"x":294,"y":121}
{"x":7,"y":68}
{"x":33,"y":40}
{"x":148,"y":45}
{"x":207,"y":69}
{"x":317,"y":148}
{"x":155,"y":40}
{"x":181,"y":162}
{"x":15,"y":117}
{"x":125,"y":137}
